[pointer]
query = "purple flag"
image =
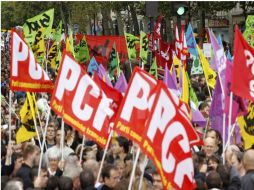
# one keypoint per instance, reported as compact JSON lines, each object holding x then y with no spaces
{"x":197,"y":116}
{"x":174,"y":74}
{"x":121,"y":84}
{"x":168,"y":79}
{"x":102,"y":73}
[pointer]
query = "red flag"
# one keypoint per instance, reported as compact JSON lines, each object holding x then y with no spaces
{"x":133,"y":111}
{"x":155,"y":37}
{"x":26,"y":74}
{"x":168,"y":139}
{"x":81,"y":102}
{"x":243,"y":67}
{"x":110,"y":92}
{"x":164,"y":56}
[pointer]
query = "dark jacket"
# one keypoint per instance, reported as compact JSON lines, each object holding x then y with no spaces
{"x":25,"y":173}
{"x":248,"y":180}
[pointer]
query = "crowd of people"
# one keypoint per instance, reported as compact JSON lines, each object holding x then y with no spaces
{"x":66,"y":170}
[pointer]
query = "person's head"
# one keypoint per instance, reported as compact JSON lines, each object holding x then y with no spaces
{"x":213,"y":180}
{"x":120,"y":166}
{"x":157,"y":183}
{"x":51,"y":132}
{"x":248,"y":160}
{"x":120,"y":145}
{"x":213,"y":162}
{"x":214,"y":134}
{"x":236,"y":160}
{"x":18,"y":160}
{"x":31,"y":154}
{"x":87,"y":179}
{"x":52,"y":183}
{"x":110,"y":175}
{"x":204,"y":109}
{"x":90,"y":152}
{"x":92,"y":165}
{"x":210,"y":146}
{"x":65,"y":183}
{"x":73,"y":169}
{"x":53,"y":160}
{"x":229,"y":153}
{"x":14,"y":184}
{"x":40,"y":181}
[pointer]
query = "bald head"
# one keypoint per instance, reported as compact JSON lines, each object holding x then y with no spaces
{"x":210,"y":146}
{"x":248,"y":160}
{"x":92,"y":165}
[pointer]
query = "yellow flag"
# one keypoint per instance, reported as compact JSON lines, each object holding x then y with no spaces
{"x":52,"y":55}
{"x":27,"y":115}
{"x":69,"y":48}
{"x":38,"y":46}
{"x":210,"y":74}
{"x":246,"y":124}
{"x":177,"y":65}
{"x":185,"y":87}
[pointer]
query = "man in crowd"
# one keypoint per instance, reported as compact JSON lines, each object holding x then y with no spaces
{"x":31,"y":159}
{"x":248,"y":163}
{"x":110,"y":177}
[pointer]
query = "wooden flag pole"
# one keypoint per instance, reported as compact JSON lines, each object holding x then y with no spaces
{"x":62,"y":140}
{"x":145,"y":162}
{"x":104,"y":155}
{"x":12,"y":110}
{"x":43,"y":142}
{"x":10,"y":94}
{"x":230,"y":116}
{"x":134,"y":169}
{"x":223,"y":136}
{"x":82,"y":149}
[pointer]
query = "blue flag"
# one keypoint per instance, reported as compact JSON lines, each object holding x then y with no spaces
{"x":191,"y":42}
{"x":93,"y":66}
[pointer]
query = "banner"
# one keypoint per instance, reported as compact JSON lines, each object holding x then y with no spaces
{"x":143,"y":47}
{"x":102,"y":46}
{"x":168,"y":138}
{"x":80,"y":102}
{"x":249,"y":30}
{"x":43,"y":21}
{"x":246,"y":124}
{"x":26,"y":74}
{"x":131,"y":41}
{"x":134,"y":108}
{"x":243,"y":68}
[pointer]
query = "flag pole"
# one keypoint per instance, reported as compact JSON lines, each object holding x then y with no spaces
{"x":223,"y":136}
{"x":43,"y":141}
{"x":82,"y":149}
{"x":134,"y":168}
{"x":62,"y":139}
{"x":104,"y":155}
{"x":10,"y":94}
{"x":13,"y":111}
{"x":230,"y":116}
{"x":143,"y":172}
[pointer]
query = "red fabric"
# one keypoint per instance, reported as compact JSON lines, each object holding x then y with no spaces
{"x":243,"y":68}
{"x":79,"y":93}
{"x":25,"y":73}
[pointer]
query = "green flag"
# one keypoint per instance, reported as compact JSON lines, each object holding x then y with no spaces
{"x":42,"y":21}
{"x":249,"y":31}
{"x":196,"y":65}
{"x":58,"y":32}
{"x":81,"y":51}
{"x":153,"y":69}
{"x":113,"y":63}
{"x":143,"y":46}
{"x":192,"y":94}
{"x":131,"y":41}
